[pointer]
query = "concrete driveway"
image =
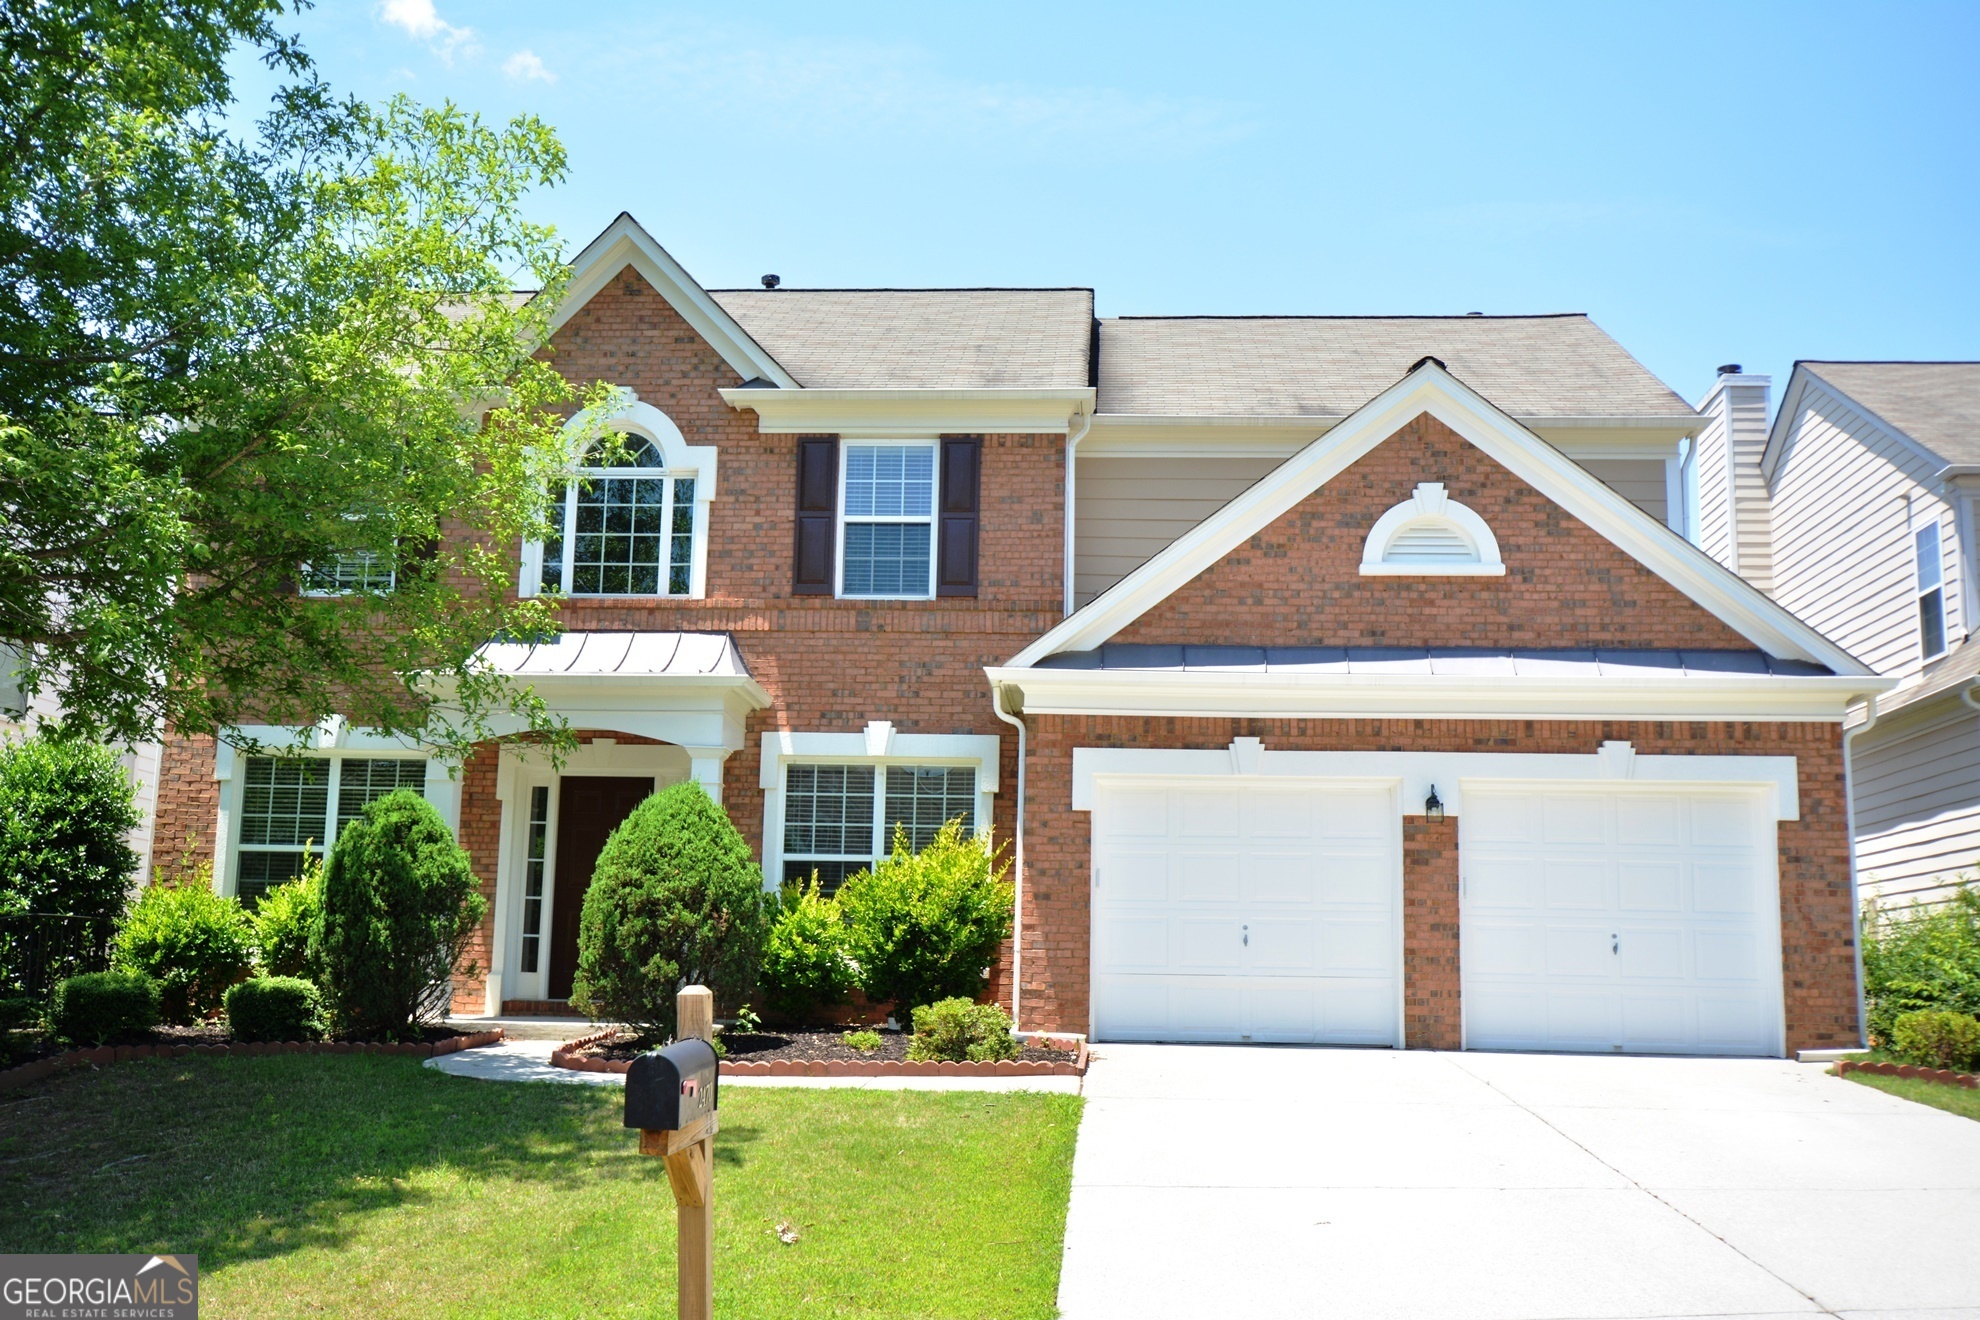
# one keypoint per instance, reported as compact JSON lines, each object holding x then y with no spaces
{"x":1257,"y":1182}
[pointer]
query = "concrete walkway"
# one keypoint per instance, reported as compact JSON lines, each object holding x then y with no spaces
{"x":1265,"y":1182}
{"x":529,"y":1061}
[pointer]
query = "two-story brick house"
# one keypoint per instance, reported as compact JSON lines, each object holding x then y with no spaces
{"x":1335,"y":679}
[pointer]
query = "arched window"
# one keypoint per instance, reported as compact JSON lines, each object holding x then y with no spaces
{"x":1431,"y":535}
{"x":633,"y":521}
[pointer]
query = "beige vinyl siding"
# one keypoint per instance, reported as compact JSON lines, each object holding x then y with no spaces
{"x":1842,"y":533}
{"x":1128,"y":509}
{"x":1734,"y":506}
{"x":1715,"y":516}
{"x":1918,"y":807}
{"x":1641,"y":481}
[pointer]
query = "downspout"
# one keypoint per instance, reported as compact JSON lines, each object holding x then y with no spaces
{"x":1084,"y":423}
{"x":1017,"y":863}
{"x":1849,"y":823}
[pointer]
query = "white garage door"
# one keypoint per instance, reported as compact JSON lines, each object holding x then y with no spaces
{"x":1267,"y":913}
{"x":1629,"y":920}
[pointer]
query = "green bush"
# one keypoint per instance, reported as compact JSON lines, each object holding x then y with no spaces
{"x":193,"y":942}
{"x":19,"y":1012}
{"x":275,"y":1008}
{"x":400,"y":902}
{"x":66,"y":808}
{"x":284,"y":921}
{"x":1921,"y":957}
{"x":98,"y":1007}
{"x":961,"y":1029}
{"x":1937,"y":1038}
{"x":676,"y":900}
{"x":925,"y":926}
{"x":864,"y":1041}
{"x":804,"y":955}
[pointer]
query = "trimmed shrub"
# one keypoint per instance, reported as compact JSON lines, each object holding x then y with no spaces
{"x":400,"y":903}
{"x":284,"y":921}
{"x":925,"y":926}
{"x":676,"y":900}
{"x":275,"y":1008}
{"x":864,"y":1041}
{"x":962,"y":1030}
{"x":804,"y":955}
{"x":1921,"y":957}
{"x":98,"y":1007}
{"x":19,"y":1013}
{"x":193,"y":942}
{"x":66,"y":807}
{"x":1937,"y":1038}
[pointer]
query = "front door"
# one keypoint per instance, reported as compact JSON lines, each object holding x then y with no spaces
{"x":589,"y":808}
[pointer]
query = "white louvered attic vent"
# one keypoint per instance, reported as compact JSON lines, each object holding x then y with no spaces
{"x":1431,"y":541}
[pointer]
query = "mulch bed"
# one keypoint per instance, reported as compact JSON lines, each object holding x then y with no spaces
{"x":806,"y":1044}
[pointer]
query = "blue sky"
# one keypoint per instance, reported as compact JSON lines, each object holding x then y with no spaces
{"x":1713,"y":183}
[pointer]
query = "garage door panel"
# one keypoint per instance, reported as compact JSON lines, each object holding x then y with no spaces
{"x":1284,"y":1012}
{"x":1278,"y":815}
{"x":1135,"y":944}
{"x":1207,"y":944}
{"x":1202,"y":876}
{"x":1344,"y":815}
{"x":1137,"y":1005}
{"x":1283,"y":945}
{"x":1360,"y":878}
{"x":1654,"y":927}
{"x":1206,"y":815}
{"x":1359,"y":1013}
{"x":1137,"y":814}
{"x":1207,"y":1009}
{"x":1137,"y":876}
{"x":1281,"y":878}
{"x":1357,"y":946}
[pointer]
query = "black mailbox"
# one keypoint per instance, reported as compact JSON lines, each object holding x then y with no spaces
{"x":667,"y":1089}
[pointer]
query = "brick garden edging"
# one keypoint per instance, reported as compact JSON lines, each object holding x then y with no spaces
{"x":1944,"y":1075}
{"x":566,"y":1056}
{"x":13,"y":1078}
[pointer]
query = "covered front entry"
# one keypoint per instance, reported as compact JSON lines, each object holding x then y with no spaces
{"x":1632,"y":919}
{"x":1261,"y":912}
{"x":589,"y":808}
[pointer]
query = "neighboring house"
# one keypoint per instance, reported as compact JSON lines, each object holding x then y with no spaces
{"x":1855,"y":510}
{"x":1341,"y":644}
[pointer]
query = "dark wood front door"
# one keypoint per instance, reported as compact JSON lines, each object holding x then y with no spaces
{"x":589,"y":808}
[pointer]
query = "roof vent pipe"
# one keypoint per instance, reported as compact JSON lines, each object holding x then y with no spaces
{"x":772,"y":281}
{"x":1730,"y":369}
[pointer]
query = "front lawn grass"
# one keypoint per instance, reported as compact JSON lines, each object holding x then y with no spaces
{"x":1952,"y":1099}
{"x":358,"y":1185}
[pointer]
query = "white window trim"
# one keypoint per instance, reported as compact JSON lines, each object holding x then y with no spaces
{"x":333,"y":740}
{"x":932,"y":518}
{"x":334,"y":593}
{"x":1417,"y":772}
{"x":682,"y":459}
{"x":1930,"y":523}
{"x":1430,"y":503}
{"x":877,"y":745}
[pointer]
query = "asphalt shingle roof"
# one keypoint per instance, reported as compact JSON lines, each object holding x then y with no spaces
{"x":921,"y":338}
{"x":1937,"y":404}
{"x":1327,"y":366}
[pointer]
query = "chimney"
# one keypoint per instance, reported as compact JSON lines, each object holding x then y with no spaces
{"x":1734,"y":510}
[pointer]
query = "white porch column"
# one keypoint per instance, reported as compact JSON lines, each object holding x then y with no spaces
{"x":705,"y":768}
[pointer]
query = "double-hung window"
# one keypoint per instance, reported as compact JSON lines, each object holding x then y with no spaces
{"x":359,"y":572}
{"x":1931,"y":591}
{"x":624,"y":527}
{"x":887,"y":528}
{"x":838,"y":819}
{"x":291,"y":804}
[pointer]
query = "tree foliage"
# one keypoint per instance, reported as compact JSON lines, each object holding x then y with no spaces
{"x":231,"y":361}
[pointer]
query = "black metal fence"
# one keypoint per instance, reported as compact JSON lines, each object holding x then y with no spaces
{"x":39,"y":949}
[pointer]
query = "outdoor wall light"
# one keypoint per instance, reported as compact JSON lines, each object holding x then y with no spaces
{"x":1433,"y":806}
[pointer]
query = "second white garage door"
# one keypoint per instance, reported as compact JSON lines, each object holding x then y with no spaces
{"x":1620,"y":919}
{"x":1267,"y":913}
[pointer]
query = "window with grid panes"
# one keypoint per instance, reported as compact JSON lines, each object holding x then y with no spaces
{"x":356,"y":573}
{"x":536,"y":859}
{"x":289,"y":805}
{"x":889,"y":504}
{"x":838,"y":819}
{"x":625,"y":529}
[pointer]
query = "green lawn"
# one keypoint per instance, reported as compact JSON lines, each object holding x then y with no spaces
{"x":356,"y":1185}
{"x":1952,"y":1099}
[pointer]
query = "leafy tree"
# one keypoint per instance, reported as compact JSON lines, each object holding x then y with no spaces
{"x":676,"y":900}
{"x":400,"y":903}
{"x":923,"y":926}
{"x":238,"y":363}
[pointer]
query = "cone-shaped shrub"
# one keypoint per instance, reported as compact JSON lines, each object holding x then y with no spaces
{"x":400,"y":903}
{"x":676,"y":900}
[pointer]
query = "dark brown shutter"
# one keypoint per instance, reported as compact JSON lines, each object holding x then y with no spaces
{"x":817,"y":513}
{"x":962,"y":473}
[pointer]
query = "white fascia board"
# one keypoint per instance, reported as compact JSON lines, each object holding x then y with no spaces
{"x":782,"y":747}
{"x":1790,"y":404}
{"x":1416,"y":772}
{"x":1432,"y":390}
{"x":910,"y":414}
{"x":1678,"y":426}
{"x":1411,"y":696}
{"x":624,"y":243}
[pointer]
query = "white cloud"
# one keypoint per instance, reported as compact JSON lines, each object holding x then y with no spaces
{"x":420,"y":20}
{"x":524,"y":66}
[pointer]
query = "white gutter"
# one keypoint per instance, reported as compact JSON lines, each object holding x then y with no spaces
{"x":1849,"y":823}
{"x":1017,"y":862}
{"x":1084,"y":423}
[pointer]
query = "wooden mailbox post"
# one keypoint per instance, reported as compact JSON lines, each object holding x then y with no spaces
{"x":688,"y":1148}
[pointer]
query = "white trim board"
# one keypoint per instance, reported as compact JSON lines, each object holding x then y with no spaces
{"x":913,"y":414}
{"x":1616,"y":763}
{"x":1429,"y":389}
